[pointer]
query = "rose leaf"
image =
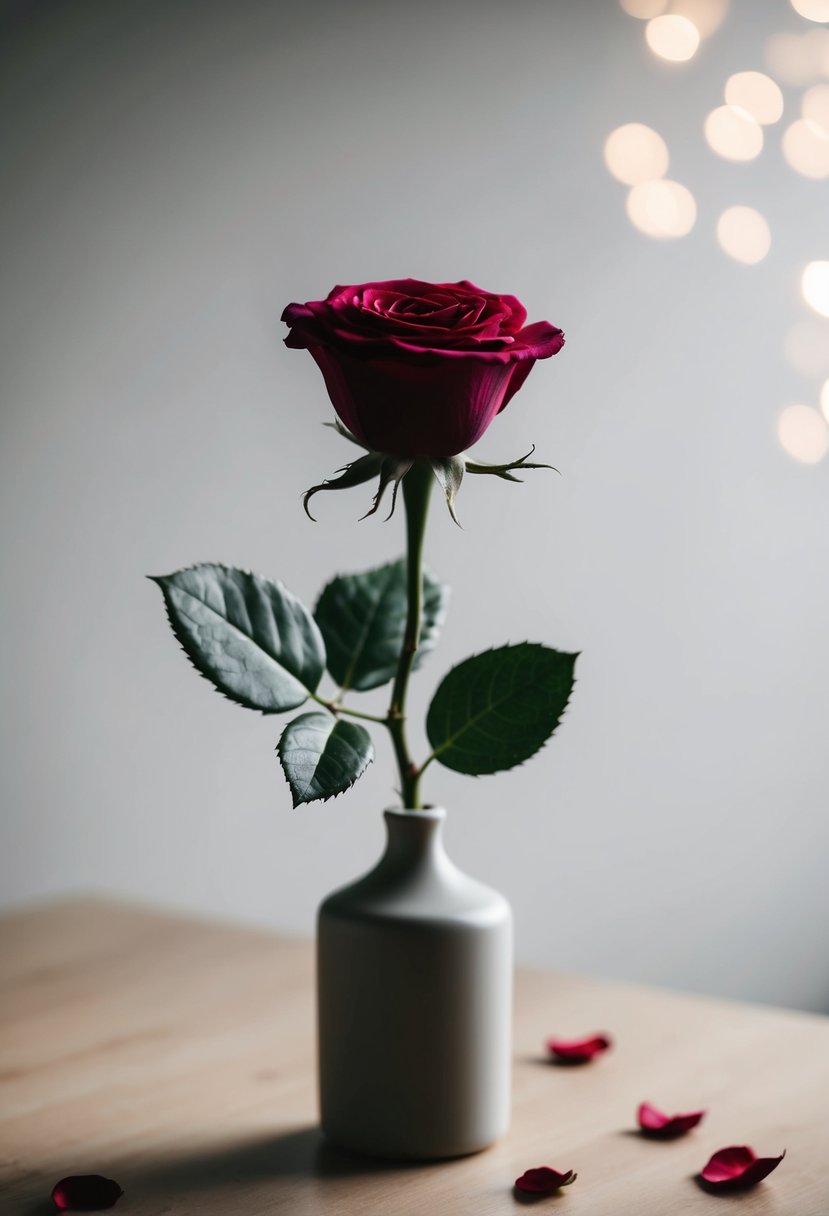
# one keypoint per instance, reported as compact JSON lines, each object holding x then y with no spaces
{"x":254,"y":641}
{"x":323,"y":756}
{"x":362,"y":618}
{"x":496,"y":709}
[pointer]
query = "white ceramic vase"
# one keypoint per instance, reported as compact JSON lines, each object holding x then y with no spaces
{"x":414,"y":987}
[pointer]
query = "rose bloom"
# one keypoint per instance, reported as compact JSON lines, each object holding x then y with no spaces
{"x":419,"y":369}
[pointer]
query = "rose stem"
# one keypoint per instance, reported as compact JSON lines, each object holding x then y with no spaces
{"x":417,"y":485}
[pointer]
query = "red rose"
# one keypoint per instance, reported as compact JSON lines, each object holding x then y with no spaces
{"x":419,"y":369}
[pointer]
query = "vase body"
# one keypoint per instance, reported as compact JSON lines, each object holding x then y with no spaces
{"x":414,"y":986}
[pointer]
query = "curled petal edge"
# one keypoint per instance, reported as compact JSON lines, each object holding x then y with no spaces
{"x":737,"y":1167}
{"x":656,"y":1124}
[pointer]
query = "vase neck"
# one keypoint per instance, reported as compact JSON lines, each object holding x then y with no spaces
{"x":414,"y":839}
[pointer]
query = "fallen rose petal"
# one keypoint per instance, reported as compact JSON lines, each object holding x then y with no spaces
{"x":655,"y":1123}
{"x":578,"y":1051}
{"x":543,"y":1180}
{"x":86,"y":1193}
{"x":738,"y":1166}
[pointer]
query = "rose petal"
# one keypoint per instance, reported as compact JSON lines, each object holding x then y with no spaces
{"x":578,"y":1051}
{"x":85,"y":1193}
{"x":657,"y":1124}
{"x":449,"y":356}
{"x":738,"y":1166}
{"x":543,"y":1180}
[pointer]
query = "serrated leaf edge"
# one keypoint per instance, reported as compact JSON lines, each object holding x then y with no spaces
{"x":158,"y":579}
{"x":368,"y":620}
{"x":297,"y":802}
{"x":574,"y":654}
{"x":444,"y":595}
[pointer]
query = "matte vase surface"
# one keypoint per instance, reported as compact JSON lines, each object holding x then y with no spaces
{"x":415,"y":1003}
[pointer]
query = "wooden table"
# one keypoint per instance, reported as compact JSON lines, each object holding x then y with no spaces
{"x":178,"y":1057}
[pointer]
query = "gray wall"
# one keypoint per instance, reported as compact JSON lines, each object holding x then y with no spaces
{"x":174,"y":174}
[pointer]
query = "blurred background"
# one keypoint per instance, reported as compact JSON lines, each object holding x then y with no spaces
{"x":651,"y":176}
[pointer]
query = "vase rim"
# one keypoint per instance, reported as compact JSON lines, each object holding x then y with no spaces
{"x":426,"y":812}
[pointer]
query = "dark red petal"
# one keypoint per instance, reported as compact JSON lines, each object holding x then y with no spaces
{"x":449,"y":356}
{"x":439,"y":409}
{"x":541,"y":339}
{"x":578,"y":1051}
{"x":520,"y":371}
{"x":655,"y":1123}
{"x":543,"y":1180}
{"x":85,"y":1193}
{"x":738,"y":1166}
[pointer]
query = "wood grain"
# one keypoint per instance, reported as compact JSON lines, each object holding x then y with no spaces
{"x":178,"y":1057}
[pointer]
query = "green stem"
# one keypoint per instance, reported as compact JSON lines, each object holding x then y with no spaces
{"x":417,"y":485}
{"x":432,"y":756}
{"x":335,"y":708}
{"x":358,"y":713}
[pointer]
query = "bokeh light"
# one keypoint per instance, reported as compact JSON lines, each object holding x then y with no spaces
{"x":662,"y":209}
{"x":803,"y":434}
{"x":795,"y":59}
{"x":645,"y":9}
{"x":813,"y":10}
{"x":814,"y":284}
{"x":733,"y":133}
{"x":824,"y":400}
{"x":756,"y":93}
{"x":672,"y":37}
{"x":707,"y":15}
{"x":806,"y":346}
{"x":815,"y":106}
{"x":806,"y":148}
{"x":818,"y":41}
{"x":635,"y":153}
{"x":744,"y":234}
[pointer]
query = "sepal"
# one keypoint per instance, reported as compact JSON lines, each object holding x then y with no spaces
{"x":337,"y":426}
{"x":449,"y":473}
{"x":505,"y":471}
{"x":354,"y":474}
{"x":390,"y":470}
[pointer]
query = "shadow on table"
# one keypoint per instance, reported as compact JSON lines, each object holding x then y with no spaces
{"x":293,"y":1155}
{"x":301,"y":1153}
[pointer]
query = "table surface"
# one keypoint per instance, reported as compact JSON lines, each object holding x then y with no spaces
{"x":177,"y":1056}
